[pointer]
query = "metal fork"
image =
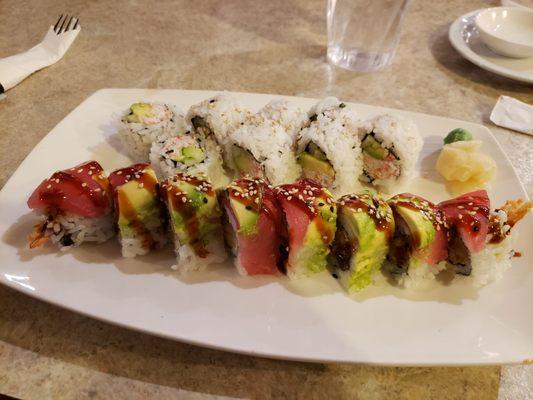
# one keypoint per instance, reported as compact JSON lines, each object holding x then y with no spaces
{"x":64,"y":22}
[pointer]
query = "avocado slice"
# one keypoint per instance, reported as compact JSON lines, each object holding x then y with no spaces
{"x":373,"y":148}
{"x":315,"y":168}
{"x":316,"y":151}
{"x":195,"y":220}
{"x":361,"y":244}
{"x":138,"y":111}
{"x":137,"y":204}
{"x":190,"y":155}
{"x":420,"y":227}
{"x":246,"y":218}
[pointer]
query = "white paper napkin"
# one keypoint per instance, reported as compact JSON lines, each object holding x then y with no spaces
{"x":16,"y":68}
{"x":513,"y":114}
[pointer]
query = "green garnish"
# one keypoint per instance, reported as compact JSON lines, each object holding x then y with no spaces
{"x":457,"y":135}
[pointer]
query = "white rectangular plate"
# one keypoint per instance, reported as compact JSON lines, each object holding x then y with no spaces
{"x":269,"y":316}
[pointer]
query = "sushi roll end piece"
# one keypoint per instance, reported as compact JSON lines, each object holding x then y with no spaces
{"x":76,"y":205}
{"x":139,"y":213}
{"x":365,"y":227}
{"x":147,"y":122}
{"x":419,"y":244}
{"x":310,"y":216}
{"x":195,"y":221}
{"x":251,"y":223}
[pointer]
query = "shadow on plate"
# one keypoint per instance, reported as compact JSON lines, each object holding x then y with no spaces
{"x":160,"y":262}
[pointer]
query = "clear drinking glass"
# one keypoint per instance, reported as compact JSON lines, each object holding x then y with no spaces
{"x":363,"y":34}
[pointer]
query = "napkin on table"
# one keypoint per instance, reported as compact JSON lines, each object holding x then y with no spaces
{"x":53,"y":47}
{"x":513,"y":114}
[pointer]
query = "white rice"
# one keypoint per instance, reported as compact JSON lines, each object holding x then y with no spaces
{"x":81,"y":229}
{"x":271,"y":146}
{"x":336,"y":132}
{"x":189,"y":261}
{"x":161,"y":159}
{"x":489,"y":264}
{"x":401,"y":136}
{"x":168,"y":121}
{"x":286,"y":114}
{"x":420,"y":276}
{"x":132,"y":245}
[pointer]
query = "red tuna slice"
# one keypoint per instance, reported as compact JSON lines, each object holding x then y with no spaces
{"x":81,"y":190}
{"x":301,"y":202}
{"x":258,"y":253}
{"x":469,"y":215}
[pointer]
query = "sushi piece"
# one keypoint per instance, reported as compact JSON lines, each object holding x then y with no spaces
{"x":419,"y":244}
{"x":310,"y":216}
{"x":146,"y":122}
{"x":214,"y":119}
{"x":195,"y":220}
{"x":290,"y":117}
{"x":139,"y":213}
{"x":251,"y":221}
{"x":390,"y":148}
{"x":185,"y":154}
{"x":76,"y":206}
{"x":262,"y":148}
{"x":481,"y":244}
{"x":328,"y":150}
{"x":365,"y":227}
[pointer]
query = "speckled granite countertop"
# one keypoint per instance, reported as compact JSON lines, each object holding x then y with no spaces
{"x":269,"y":47}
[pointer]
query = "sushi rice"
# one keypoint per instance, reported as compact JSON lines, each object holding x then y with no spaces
{"x":162,"y":122}
{"x":183,"y":153}
{"x":335,"y":130}
{"x":286,"y":114}
{"x":270,"y":146}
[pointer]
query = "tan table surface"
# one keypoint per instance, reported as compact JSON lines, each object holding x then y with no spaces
{"x":271,"y":47}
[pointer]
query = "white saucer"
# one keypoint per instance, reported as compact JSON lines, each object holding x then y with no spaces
{"x":464,"y":37}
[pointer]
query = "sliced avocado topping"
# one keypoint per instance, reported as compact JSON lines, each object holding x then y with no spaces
{"x":373,"y":148}
{"x":135,"y":205}
{"x":138,"y":111}
{"x":244,"y":162}
{"x":196,"y":219}
{"x":419,"y":226}
{"x":190,"y":155}
{"x":246,"y":217}
{"x":457,"y":135}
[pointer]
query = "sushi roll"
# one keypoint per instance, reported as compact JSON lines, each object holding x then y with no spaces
{"x":310,"y":216}
{"x":390,"y":148}
{"x":185,"y":154}
{"x":365,"y":227}
{"x":251,"y":221}
{"x":481,"y":244}
{"x":195,"y":221}
{"x":144,"y":123}
{"x":328,"y":150}
{"x":139,"y":213}
{"x":76,"y":207}
{"x":262,"y":148}
{"x":214,"y":119}
{"x":419,"y":244}
{"x":290,"y":117}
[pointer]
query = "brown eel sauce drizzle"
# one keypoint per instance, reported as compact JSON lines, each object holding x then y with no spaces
{"x":181,"y":204}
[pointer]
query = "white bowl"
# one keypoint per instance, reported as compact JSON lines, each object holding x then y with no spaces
{"x":507,"y":30}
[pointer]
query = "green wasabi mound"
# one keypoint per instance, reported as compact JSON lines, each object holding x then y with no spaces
{"x":457,"y":135}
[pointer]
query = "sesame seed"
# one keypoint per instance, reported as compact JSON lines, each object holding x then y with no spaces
{"x":460,"y":216}
{"x":49,"y":186}
{"x":80,"y":170}
{"x":57,"y":180}
{"x":97,"y":189}
{"x":83,"y":184}
{"x":141,"y":185}
{"x":184,"y":200}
